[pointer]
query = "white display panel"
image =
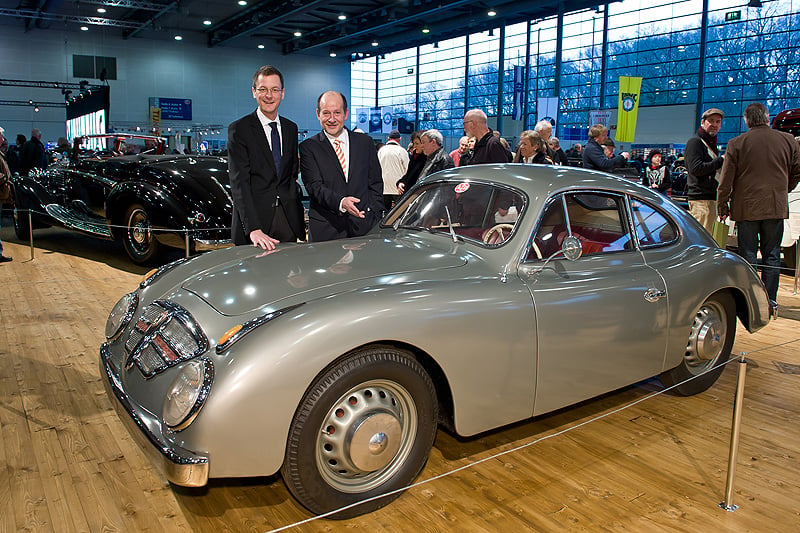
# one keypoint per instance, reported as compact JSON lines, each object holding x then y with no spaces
{"x":89,"y":124}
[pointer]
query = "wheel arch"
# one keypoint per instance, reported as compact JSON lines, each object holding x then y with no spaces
{"x":164,"y":210}
{"x":441,"y":383}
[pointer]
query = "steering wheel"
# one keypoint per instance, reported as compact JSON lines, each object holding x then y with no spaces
{"x":494,"y":235}
{"x":535,"y":249}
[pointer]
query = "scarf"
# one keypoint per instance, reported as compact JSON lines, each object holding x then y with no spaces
{"x":710,"y":141}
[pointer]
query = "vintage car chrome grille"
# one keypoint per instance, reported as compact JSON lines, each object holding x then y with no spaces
{"x":164,"y":335}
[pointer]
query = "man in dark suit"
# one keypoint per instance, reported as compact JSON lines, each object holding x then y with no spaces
{"x":263,"y":165}
{"x":342,"y":175}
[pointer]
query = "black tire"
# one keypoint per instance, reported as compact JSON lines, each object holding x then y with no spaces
{"x":364,"y":428}
{"x":710,"y":341}
{"x":22,"y":227}
{"x":140,"y":243}
{"x":790,"y":257}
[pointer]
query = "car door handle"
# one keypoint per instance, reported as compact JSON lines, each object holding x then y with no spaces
{"x":654,"y":295}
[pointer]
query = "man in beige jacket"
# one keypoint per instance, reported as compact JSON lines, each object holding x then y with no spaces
{"x":761,"y":167}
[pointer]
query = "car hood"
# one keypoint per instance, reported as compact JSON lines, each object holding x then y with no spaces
{"x":293,"y":274}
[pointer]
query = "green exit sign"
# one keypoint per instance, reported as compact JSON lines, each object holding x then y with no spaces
{"x":730,"y":16}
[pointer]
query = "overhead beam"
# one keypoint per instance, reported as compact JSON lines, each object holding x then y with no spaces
{"x":262,"y":15}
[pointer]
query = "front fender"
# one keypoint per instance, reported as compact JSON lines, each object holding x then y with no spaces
{"x":484,"y":345}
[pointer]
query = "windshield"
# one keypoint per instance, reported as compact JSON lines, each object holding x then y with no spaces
{"x":481,"y":212}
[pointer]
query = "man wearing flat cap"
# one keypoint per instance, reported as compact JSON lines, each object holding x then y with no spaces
{"x":703,"y":163}
{"x":394,"y":163}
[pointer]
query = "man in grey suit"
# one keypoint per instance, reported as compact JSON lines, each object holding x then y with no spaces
{"x":263,"y":166}
{"x":342,"y":175}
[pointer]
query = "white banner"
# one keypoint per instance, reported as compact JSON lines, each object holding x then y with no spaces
{"x":547,"y":109}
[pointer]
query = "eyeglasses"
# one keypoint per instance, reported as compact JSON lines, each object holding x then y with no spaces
{"x":272,"y":90}
{"x":467,"y":122}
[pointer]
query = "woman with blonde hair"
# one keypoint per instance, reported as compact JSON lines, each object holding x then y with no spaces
{"x":532,"y":149}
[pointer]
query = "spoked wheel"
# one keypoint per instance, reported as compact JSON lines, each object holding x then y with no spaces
{"x":140,"y":242}
{"x":365,"y":428}
{"x":709,"y":344}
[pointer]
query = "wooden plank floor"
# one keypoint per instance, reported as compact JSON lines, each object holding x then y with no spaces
{"x":67,"y":464}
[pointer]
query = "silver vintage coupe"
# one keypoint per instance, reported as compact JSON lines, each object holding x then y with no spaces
{"x":489,"y":295}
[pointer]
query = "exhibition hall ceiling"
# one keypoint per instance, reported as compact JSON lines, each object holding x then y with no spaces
{"x":347,"y":28}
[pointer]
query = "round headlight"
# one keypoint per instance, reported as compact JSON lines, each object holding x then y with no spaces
{"x":120,"y":315}
{"x":187,"y":393}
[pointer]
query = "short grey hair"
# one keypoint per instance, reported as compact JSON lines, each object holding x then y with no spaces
{"x":554,"y":140}
{"x":543,"y":125}
{"x":434,"y":135}
{"x":756,"y":114}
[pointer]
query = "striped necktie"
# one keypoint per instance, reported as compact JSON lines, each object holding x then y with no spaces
{"x":337,"y":145}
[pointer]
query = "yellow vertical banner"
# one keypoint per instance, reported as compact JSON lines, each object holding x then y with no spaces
{"x":629,"y":89}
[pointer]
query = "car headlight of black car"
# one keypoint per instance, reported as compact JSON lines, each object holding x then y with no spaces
{"x":187,"y":393}
{"x":121,"y":315}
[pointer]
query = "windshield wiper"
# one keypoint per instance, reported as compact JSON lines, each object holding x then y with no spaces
{"x":450,"y":224}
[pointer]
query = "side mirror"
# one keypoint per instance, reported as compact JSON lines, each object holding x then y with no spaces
{"x":572,"y":248}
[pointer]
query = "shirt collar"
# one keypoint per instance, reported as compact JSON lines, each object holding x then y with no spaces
{"x":343,"y":137}
{"x":265,"y":120}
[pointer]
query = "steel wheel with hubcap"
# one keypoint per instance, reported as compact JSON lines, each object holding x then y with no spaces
{"x":709,"y":344}
{"x":365,"y":428}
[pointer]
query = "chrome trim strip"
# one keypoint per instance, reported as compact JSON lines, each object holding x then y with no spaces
{"x":250,"y":325}
{"x":161,"y":270}
{"x":182,"y":467}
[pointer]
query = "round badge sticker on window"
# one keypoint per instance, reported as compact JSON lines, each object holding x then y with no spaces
{"x":462,"y":188}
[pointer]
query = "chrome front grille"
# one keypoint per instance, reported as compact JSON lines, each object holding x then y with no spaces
{"x":164,"y":335}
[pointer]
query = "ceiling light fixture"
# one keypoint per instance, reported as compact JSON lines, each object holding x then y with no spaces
{"x":342,"y":16}
{"x":260,"y":46}
{"x":242,"y":2}
{"x":426,"y":30}
{"x":332,"y":53}
{"x":101,"y":10}
{"x":298,"y":33}
{"x":84,"y":28}
{"x":375,"y":43}
{"x":207,"y":22}
{"x":491,"y":12}
{"x":178,"y":37}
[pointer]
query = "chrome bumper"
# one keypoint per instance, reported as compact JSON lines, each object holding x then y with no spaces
{"x":181,"y":467}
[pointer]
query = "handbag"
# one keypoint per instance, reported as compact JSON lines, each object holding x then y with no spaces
{"x":720,"y":234}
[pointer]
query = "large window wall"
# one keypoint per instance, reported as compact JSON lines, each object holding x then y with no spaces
{"x":742,"y":54}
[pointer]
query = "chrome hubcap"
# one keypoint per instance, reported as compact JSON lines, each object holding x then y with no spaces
{"x":366,"y":436}
{"x":707,"y":337}
{"x":139,"y":230}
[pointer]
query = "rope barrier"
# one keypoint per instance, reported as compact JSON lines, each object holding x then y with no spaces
{"x":736,"y":423}
{"x":105,"y":223}
{"x":542,"y":439}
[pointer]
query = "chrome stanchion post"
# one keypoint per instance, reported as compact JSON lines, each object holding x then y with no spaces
{"x":30,"y":232}
{"x":187,"y":243}
{"x":796,"y":249}
{"x":736,"y":425}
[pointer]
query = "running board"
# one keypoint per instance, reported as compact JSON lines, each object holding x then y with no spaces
{"x":83,"y":222}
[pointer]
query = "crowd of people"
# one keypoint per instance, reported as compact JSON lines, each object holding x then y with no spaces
{"x":351,"y":182}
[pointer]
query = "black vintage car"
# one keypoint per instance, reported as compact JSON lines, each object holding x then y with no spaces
{"x":123,"y":187}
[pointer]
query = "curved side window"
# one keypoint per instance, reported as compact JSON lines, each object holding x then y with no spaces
{"x":653,"y":228}
{"x":596,"y":219}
